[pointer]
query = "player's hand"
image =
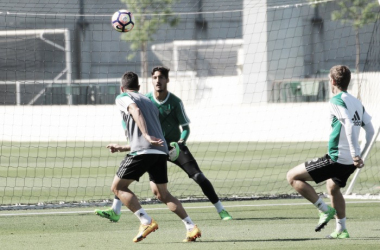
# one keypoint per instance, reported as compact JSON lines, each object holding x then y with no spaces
{"x":174,"y":151}
{"x":358,"y":162}
{"x":113,"y":148}
{"x":118,"y":148}
{"x":181,"y":143}
{"x":154,"y":140}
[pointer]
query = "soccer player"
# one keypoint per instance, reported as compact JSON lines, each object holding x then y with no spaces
{"x":172,"y":117}
{"x":148,"y":154}
{"x":347,"y":116}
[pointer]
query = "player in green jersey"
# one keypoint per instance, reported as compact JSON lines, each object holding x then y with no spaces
{"x":176,"y":130}
{"x":175,"y":126}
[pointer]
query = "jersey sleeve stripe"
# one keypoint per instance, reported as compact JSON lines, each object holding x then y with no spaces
{"x":184,"y":114}
{"x":123,"y":103}
{"x":337,"y":111}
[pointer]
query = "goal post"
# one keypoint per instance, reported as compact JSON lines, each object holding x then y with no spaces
{"x":367,"y":89}
{"x":39,"y":33}
{"x":364,"y":157}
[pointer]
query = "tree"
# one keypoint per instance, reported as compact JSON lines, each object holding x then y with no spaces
{"x":358,"y":13}
{"x":149,"y":15}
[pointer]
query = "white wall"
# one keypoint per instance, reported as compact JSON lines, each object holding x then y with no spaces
{"x":213,"y":105}
{"x":255,"y":51}
{"x":261,"y":122}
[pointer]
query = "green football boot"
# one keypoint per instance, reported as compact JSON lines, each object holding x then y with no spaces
{"x":324,"y":218}
{"x":336,"y":235}
{"x":224,"y":215}
{"x":108,"y":214}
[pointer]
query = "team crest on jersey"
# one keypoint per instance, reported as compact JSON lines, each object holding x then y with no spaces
{"x":166,"y":110}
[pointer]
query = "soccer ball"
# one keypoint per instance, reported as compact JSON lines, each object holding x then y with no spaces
{"x":122,"y":21}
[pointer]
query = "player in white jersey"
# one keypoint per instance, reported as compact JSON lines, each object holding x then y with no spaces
{"x":347,"y":117}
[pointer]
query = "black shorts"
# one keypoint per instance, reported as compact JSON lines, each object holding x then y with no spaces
{"x":321,"y":169}
{"x":134,"y":166}
{"x":187,"y":162}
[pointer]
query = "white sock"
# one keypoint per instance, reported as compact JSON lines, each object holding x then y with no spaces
{"x":189,"y":224}
{"x":219,"y":207}
{"x":144,"y":218}
{"x":321,"y":205}
{"x":116,"y":206}
{"x":340,"y":224}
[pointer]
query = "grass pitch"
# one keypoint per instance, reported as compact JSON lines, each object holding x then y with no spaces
{"x":53,"y":172}
{"x":264,"y":224}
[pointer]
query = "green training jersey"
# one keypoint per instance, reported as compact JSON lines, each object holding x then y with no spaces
{"x":172,"y":116}
{"x":347,"y":116}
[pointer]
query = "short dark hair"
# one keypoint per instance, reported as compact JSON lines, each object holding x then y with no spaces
{"x":341,"y":75}
{"x":130,"y":80}
{"x":162,"y":69}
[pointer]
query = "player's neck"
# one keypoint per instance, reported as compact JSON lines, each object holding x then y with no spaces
{"x":336,"y":90}
{"x":161,"y":96}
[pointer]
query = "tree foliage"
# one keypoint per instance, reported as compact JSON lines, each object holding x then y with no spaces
{"x":149,"y":16}
{"x":357,"y":12}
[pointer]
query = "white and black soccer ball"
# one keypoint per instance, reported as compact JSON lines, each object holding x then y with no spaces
{"x":122,"y":21}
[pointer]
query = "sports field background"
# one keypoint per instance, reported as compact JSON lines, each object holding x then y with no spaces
{"x":263,"y":224}
{"x":250,"y":122}
{"x":56,"y":172}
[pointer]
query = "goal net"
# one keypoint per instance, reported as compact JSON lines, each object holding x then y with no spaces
{"x":252,"y":75}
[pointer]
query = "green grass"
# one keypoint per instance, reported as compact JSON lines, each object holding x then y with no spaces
{"x":264,"y":224}
{"x":49,"y":172}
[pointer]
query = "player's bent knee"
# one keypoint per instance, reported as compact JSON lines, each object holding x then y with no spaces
{"x":332,"y":188}
{"x":155,"y":192}
{"x":114,"y":190}
{"x":199,"y":178}
{"x":290,"y":177}
{"x":163,"y":196}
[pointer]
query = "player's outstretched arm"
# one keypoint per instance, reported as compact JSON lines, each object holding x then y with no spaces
{"x":118,"y":148}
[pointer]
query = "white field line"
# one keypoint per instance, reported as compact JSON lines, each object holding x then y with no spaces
{"x":200,"y":207}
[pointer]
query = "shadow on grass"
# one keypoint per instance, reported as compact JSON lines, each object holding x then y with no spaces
{"x":276,"y":218}
{"x":200,"y":241}
{"x":247,"y":240}
{"x":365,"y":238}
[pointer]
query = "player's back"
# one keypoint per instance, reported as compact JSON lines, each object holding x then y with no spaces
{"x":345,"y":108}
{"x":150,"y":113}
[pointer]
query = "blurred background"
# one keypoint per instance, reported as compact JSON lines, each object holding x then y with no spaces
{"x":280,"y":51}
